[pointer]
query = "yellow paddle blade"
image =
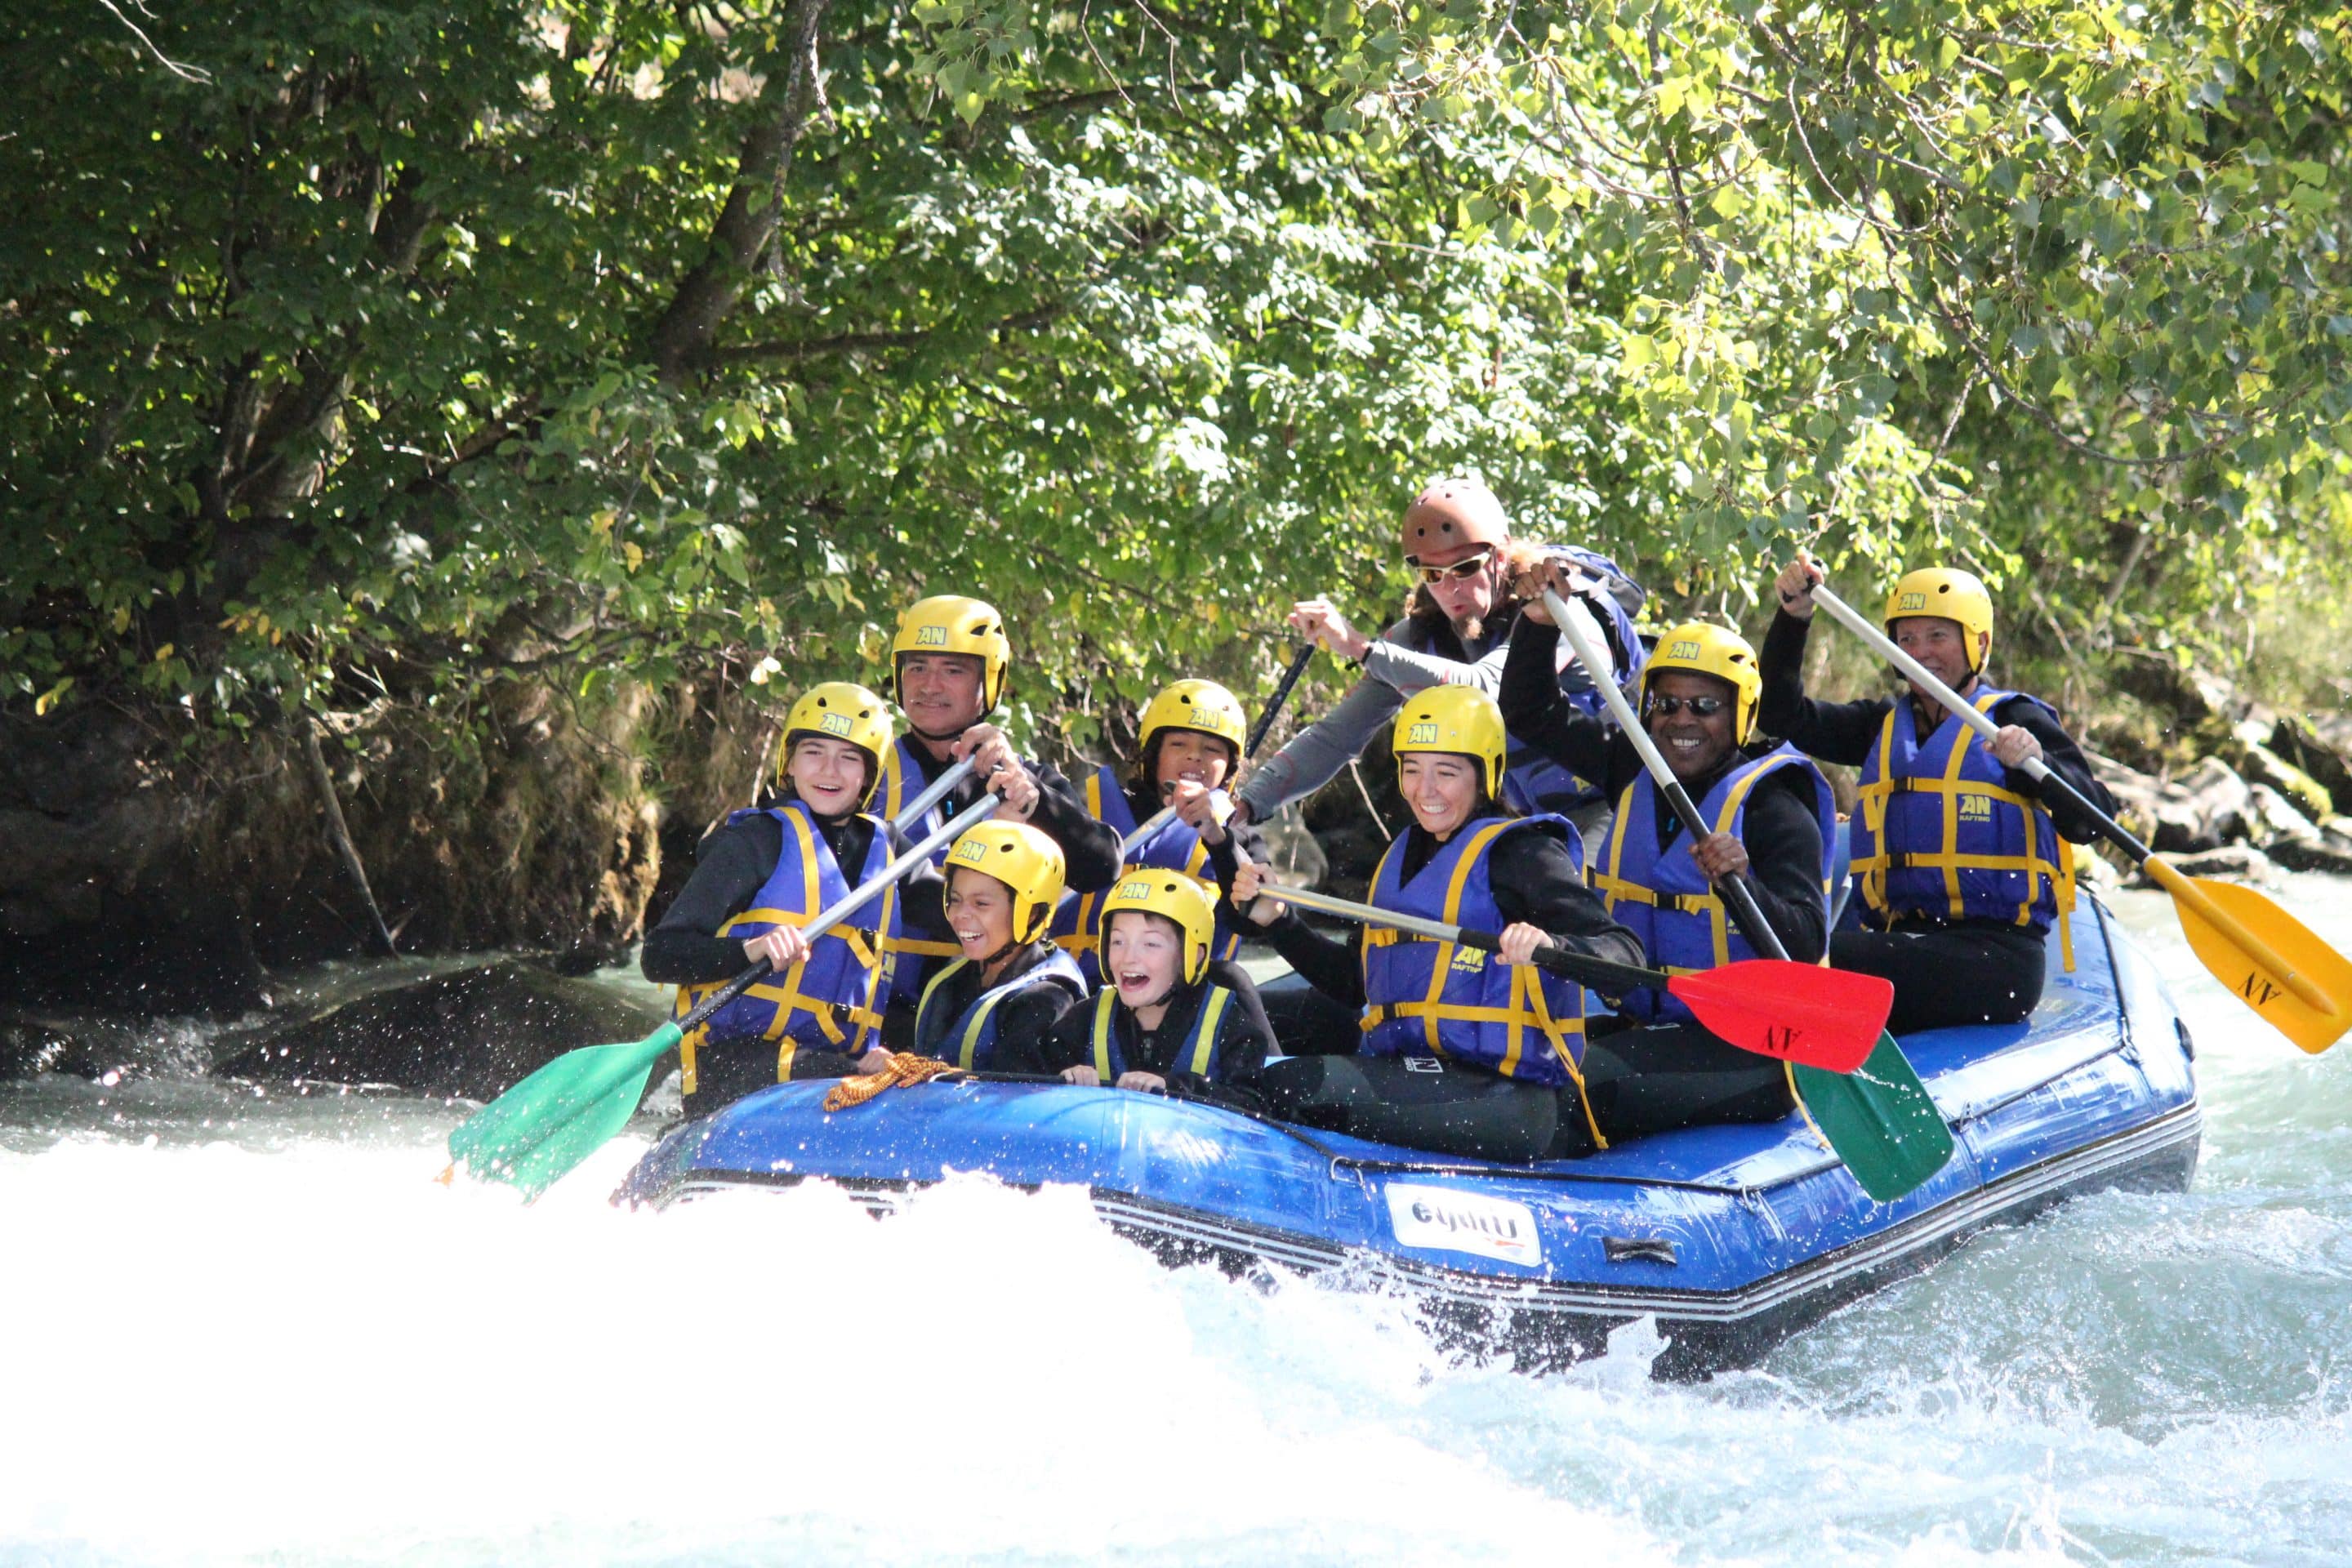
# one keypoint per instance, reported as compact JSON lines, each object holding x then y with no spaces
{"x":2323,"y":971}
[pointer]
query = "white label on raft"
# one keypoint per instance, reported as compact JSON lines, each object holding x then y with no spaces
{"x":1454,"y":1221}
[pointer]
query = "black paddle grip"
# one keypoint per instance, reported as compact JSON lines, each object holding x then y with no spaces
{"x":1281,"y":695}
{"x":1583,"y":968}
{"x":702,"y":1010}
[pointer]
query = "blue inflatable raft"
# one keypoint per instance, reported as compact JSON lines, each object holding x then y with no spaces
{"x":1732,"y":1238}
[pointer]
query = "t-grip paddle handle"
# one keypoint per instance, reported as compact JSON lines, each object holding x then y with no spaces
{"x":1298,"y":662}
{"x":2171,"y":880}
{"x":938,"y":790}
{"x":848,"y":904}
{"x":1733,"y":890}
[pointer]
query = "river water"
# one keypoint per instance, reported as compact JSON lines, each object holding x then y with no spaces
{"x":251,"y":1328}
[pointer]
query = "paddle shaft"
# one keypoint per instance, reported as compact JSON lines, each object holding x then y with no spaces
{"x":1298,"y":663}
{"x":849,"y":903}
{"x":1559,"y":961}
{"x":2180,"y":886}
{"x":1733,"y":890}
{"x":938,"y":790}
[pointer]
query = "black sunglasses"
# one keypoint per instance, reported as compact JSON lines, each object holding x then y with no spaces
{"x":1667,"y":707}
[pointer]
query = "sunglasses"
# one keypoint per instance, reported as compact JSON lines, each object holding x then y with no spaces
{"x":1457,"y":572}
{"x":1667,"y":707}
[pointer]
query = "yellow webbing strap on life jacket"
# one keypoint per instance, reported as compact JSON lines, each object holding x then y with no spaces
{"x":904,"y":1068}
{"x":980,"y":1017}
{"x":1875,"y":797}
{"x":1103,"y":1005}
{"x":1213,"y":1017}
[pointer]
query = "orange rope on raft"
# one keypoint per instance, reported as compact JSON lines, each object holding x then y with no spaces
{"x":905,"y":1067}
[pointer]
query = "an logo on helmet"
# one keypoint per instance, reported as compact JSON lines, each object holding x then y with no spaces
{"x":1683,"y":650}
{"x":835,"y":723}
{"x":1911,"y":601}
{"x":1421,"y":735}
{"x":970,"y":849}
{"x":1133,"y":891}
{"x":931,"y":636}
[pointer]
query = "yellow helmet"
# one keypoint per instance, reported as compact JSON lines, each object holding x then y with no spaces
{"x":1703,"y":649}
{"x":1025,"y":860}
{"x":1458,"y":719}
{"x":1950,"y":595}
{"x":1201,"y":705}
{"x":951,"y":622}
{"x":1171,"y":895}
{"x":846,"y":711}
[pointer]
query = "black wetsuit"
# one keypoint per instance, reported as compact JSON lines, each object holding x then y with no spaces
{"x":1244,"y":1037}
{"x":730,"y":866}
{"x":1451,"y":1108}
{"x":1945,"y":971}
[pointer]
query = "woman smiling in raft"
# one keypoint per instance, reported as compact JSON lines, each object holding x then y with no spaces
{"x":1462,"y":1052}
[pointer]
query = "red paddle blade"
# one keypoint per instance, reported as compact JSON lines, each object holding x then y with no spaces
{"x":1826,"y":1018}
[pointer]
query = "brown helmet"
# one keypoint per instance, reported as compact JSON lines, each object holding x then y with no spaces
{"x":1451,"y":513}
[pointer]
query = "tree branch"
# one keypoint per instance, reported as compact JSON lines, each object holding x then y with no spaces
{"x":748,"y":222}
{"x":869,"y":343}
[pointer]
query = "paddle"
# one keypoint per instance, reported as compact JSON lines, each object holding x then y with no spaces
{"x":536,"y":1132}
{"x":2276,"y":966}
{"x":1298,"y":662}
{"x":1881,"y":1120}
{"x":1791,"y":1011}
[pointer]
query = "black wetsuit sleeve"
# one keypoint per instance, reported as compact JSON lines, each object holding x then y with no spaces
{"x":1089,"y":848}
{"x":1535,"y":881}
{"x":1072,"y":1042}
{"x":731,"y":867}
{"x":1832,"y":731}
{"x":1331,"y":967}
{"x":808,"y":1065}
{"x":1783,"y":839}
{"x":2064,"y":758}
{"x":1244,"y":1035}
{"x":1243,"y":841}
{"x":1537,"y":713}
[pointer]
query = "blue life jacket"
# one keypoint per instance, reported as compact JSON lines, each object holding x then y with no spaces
{"x":908,"y":949}
{"x":1666,"y":900}
{"x":1174,"y":847}
{"x":1533,"y":783}
{"x":1426,"y":998}
{"x":1197,"y":1053}
{"x":968,"y":1040}
{"x":825,"y":1000}
{"x":1939,"y":835}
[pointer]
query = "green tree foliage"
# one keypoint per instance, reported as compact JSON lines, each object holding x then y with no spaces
{"x":399,"y":348}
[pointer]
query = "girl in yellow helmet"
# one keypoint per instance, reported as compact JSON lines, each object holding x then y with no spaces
{"x":992,"y":1006}
{"x":1462,"y":1052}
{"x":757,"y":879}
{"x":1188,"y":749}
{"x":1956,"y":857}
{"x":1169,"y":1013}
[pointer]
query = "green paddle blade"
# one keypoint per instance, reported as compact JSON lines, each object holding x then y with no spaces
{"x":1880,"y":1119}
{"x":536,"y":1132}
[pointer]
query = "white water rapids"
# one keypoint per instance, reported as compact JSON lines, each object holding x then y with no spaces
{"x":249,"y":1327}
